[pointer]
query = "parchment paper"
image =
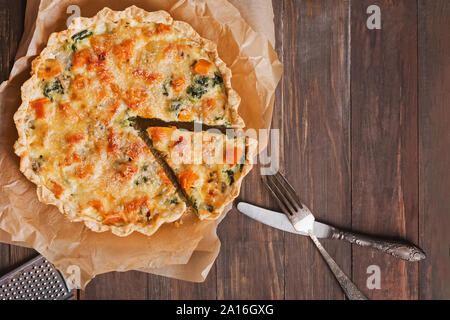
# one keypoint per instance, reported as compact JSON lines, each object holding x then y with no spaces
{"x":186,"y":252}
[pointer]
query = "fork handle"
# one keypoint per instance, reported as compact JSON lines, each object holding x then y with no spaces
{"x":350,"y":289}
{"x":398,"y":249}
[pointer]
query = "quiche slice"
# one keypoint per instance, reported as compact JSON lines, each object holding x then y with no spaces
{"x":209,"y":166}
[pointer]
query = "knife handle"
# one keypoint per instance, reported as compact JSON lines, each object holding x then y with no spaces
{"x":398,"y":249}
{"x":351,"y":290}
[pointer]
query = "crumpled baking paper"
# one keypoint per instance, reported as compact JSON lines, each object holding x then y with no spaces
{"x":186,"y":252}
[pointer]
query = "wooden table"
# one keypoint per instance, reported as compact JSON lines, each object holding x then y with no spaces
{"x":364,"y":117}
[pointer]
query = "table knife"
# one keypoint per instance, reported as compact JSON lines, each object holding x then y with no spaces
{"x":398,"y":249}
{"x":302,"y":220}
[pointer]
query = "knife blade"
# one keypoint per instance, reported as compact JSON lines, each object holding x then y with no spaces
{"x":281,"y":221}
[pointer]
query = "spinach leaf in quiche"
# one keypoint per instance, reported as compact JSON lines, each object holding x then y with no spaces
{"x":79,"y":37}
{"x":195,"y":92}
{"x":217,"y":80}
{"x":230,"y":174}
{"x":51,"y":89}
{"x":175,"y":105}
{"x":201,"y":81}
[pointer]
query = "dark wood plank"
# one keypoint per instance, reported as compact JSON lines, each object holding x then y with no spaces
{"x":434,"y":124}
{"x":315,"y":129}
{"x":384,"y":141}
{"x":20,"y":255}
{"x":4,"y":258}
{"x":161,"y":288}
{"x":11,"y":29}
{"x":251,"y":261}
{"x":131,"y":285}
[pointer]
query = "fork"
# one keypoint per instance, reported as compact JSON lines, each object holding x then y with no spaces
{"x":303,"y":220}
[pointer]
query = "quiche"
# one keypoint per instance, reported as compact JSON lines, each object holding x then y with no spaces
{"x":209,"y":166}
{"x":77,"y":141}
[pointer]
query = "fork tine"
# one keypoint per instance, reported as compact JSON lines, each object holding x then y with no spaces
{"x":275,"y":195}
{"x":279,"y":196}
{"x":282,"y":189}
{"x":289,"y":190}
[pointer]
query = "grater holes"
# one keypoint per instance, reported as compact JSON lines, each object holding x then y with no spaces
{"x":35,"y":282}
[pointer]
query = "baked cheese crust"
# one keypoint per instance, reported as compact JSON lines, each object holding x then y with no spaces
{"x":209,"y":166}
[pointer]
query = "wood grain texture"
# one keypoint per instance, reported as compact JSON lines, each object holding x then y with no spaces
{"x":384,"y":142}
{"x":315,"y":128}
{"x":11,"y":29}
{"x":434,"y":163}
{"x":161,"y":288}
{"x":117,"y":286}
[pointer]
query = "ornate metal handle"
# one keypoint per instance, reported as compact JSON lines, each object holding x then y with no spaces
{"x":398,"y":249}
{"x":350,"y":289}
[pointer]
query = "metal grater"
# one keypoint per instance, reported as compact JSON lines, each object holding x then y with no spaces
{"x":37,"y":279}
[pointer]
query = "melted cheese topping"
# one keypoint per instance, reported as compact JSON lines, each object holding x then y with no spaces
{"x":151,"y":68}
{"x":207,"y":165}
